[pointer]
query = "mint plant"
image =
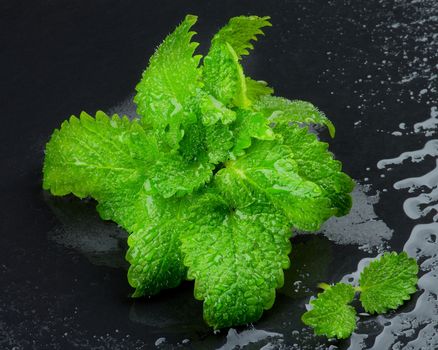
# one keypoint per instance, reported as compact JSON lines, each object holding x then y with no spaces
{"x":210,"y":179}
{"x":383,"y":285}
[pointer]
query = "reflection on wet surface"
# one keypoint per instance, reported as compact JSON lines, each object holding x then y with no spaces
{"x":81,"y":229}
{"x":246,"y":337}
{"x":361,"y":226}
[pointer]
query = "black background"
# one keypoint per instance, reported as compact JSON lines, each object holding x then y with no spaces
{"x":58,"y":58}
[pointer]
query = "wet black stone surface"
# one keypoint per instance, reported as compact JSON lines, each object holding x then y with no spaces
{"x":62,"y":274}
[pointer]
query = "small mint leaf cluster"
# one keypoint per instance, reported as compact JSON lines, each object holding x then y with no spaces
{"x":210,"y":178}
{"x":383,"y":285}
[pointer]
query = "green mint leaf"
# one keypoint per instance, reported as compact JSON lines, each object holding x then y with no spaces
{"x":270,"y":172}
{"x":210,"y":138}
{"x":281,"y":110}
{"x":206,"y":145}
{"x":331,"y":315}
{"x":219,"y":140}
{"x":107,"y":158}
{"x":172,"y":175}
{"x":249,"y":125}
{"x":255,"y":89}
{"x":223,"y":75}
{"x":316,"y":164}
{"x":387,"y":282}
{"x":155,"y":224}
{"x":236,"y":258}
{"x":240,"y":31}
{"x":94,"y":157}
{"x":171,"y":79}
{"x":154,"y":253}
{"x":212,"y":111}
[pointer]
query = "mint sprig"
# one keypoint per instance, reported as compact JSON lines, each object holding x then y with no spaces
{"x":330,"y":314}
{"x":383,"y":285}
{"x":210,"y":179}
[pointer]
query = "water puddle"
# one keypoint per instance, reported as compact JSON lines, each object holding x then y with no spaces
{"x":415,"y":329}
{"x":252,"y":335}
{"x":361,"y":226}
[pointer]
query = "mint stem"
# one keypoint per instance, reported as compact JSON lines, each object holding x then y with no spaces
{"x":324,"y":286}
